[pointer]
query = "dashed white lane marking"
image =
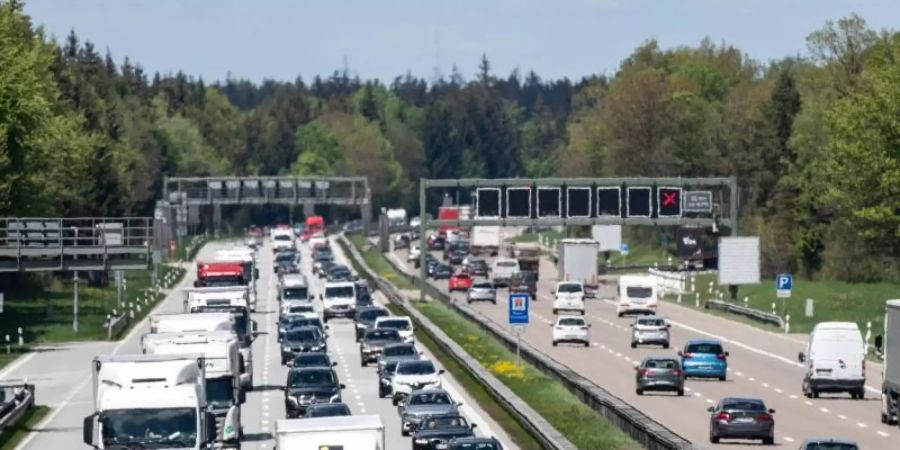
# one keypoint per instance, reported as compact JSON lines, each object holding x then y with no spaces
{"x":883,"y":434}
{"x":808,"y":403}
{"x":779,"y":391}
{"x":740,"y":374}
{"x":842,"y":417}
{"x":793,"y":397}
{"x":787,"y":439}
{"x":861,"y":425}
{"x":752,"y":379}
{"x":824,"y":409}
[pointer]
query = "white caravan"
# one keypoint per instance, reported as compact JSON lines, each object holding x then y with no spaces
{"x":346,"y":432}
{"x":637,"y":295}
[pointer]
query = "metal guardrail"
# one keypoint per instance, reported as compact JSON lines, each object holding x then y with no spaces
{"x":17,"y":399}
{"x":527,"y":416}
{"x":754,"y":314}
{"x":115,"y":325}
{"x":649,"y":433}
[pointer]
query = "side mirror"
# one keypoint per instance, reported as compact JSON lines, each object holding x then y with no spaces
{"x":343,"y":387}
{"x":255,"y":326}
{"x":801,"y":357}
{"x":711,"y":409}
{"x":771,"y":411}
{"x":879,"y":342}
{"x":668,"y":325}
{"x":87,"y":429}
{"x":727,"y":354}
{"x":320,"y":296}
{"x":590,"y":325}
{"x":441,"y":372}
{"x":637,"y":366}
{"x":334,"y":364}
{"x":459,"y":404}
{"x":242,"y":396}
{"x":680,"y":353}
{"x":474,"y":425}
{"x":327,"y":328}
{"x":210,"y":427}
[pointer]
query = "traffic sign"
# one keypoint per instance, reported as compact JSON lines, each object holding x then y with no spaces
{"x":784,"y":283}
{"x":518,"y":309}
{"x":698,"y":202}
{"x":624,"y":248}
{"x":669,"y":202}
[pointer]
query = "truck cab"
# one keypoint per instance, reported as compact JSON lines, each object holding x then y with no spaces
{"x":339,"y":300}
{"x":221,"y":353}
{"x":149,"y":401}
{"x":569,"y":296}
{"x":637,"y":295}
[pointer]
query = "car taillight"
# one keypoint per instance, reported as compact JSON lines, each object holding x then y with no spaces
{"x":676,"y":372}
{"x":763,"y":417}
{"x":723,"y":417}
{"x":643,"y":372}
{"x":721,"y":356}
{"x":687,"y":355}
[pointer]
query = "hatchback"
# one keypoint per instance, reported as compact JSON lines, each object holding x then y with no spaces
{"x":571,"y":329}
{"x":659,"y":374}
{"x":828,"y":444}
{"x":704,"y":358}
{"x":741,"y":418}
{"x":459,"y":282}
{"x":482,"y":292}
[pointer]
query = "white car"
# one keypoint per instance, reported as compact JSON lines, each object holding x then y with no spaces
{"x":415,"y":222}
{"x":413,"y":375}
{"x":569,"y":297}
{"x":299,"y":307}
{"x":414,"y":253}
{"x":402,"y":324}
{"x":571,"y":329}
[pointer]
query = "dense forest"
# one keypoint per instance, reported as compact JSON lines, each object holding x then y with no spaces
{"x":813,"y":139}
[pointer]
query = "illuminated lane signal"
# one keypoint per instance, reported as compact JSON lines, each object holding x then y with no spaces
{"x":549,"y":202}
{"x":638,"y":204}
{"x":518,"y":202}
{"x":609,"y":201}
{"x":488,"y":203}
{"x":668,"y":201}
{"x":578,"y":202}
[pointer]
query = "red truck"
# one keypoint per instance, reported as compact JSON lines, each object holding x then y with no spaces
{"x":217,"y":274}
{"x":448,"y":213}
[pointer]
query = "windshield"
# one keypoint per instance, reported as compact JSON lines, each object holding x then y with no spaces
{"x":444,"y":422}
{"x":386,"y":334}
{"x":296,"y":294}
{"x":574,"y":321}
{"x":416,"y":368}
{"x":704,"y":348}
{"x":312,"y":359}
{"x":570,"y":287}
{"x":744,"y":405}
{"x":373,"y":314}
{"x":437,"y":398}
{"x":284,"y":257}
{"x":177,"y":427}
{"x":339,"y":291}
{"x":317,"y":377}
{"x":282,"y":237}
{"x":302,"y":335}
{"x":394,"y":324}
{"x":638,"y":292}
{"x":400,"y":350}
{"x":219,"y":392}
{"x":652,"y":322}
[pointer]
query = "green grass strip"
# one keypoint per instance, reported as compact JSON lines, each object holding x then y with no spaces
{"x":11,"y":437}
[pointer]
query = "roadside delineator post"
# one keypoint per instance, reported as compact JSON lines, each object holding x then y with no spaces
{"x":21,"y":339}
{"x":697,"y":300}
{"x":787,"y":324}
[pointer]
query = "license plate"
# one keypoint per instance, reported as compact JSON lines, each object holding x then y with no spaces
{"x":743,"y":420}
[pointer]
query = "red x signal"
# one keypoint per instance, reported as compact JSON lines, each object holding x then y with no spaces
{"x":670,"y":198}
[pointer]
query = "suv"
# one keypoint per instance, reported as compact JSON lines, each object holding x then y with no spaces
{"x":413,"y":375}
{"x":524,"y":282}
{"x":373,"y":343}
{"x":422,"y":403}
{"x":569,"y":297}
{"x":402,"y":324}
{"x":339,"y":300}
{"x":308,"y":386}
{"x":300,"y":340}
{"x":401,"y":352}
{"x":650,"y":330}
{"x":572,"y":329}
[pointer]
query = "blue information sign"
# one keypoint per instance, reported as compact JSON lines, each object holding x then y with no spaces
{"x":784,"y":283}
{"x":518,"y":309}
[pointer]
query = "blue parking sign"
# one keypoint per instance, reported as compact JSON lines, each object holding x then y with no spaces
{"x":784,"y":283}
{"x":518,"y":309}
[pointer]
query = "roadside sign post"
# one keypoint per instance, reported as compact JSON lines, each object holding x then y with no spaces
{"x":624,"y":249}
{"x":784,"y":283}
{"x":518,"y":319}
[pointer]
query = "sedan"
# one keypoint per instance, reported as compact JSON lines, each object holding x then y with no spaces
{"x":459,"y":282}
{"x":659,"y":374}
{"x":435,"y":432}
{"x":475,"y":443}
{"x":650,"y":330}
{"x":456,"y":257}
{"x":476,"y":267}
{"x":828,"y":444}
{"x":327,"y":410}
{"x":442,"y":272}
{"x":424,"y":402}
{"x":482,"y":292}
{"x":571,"y":329}
{"x":312,"y":359}
{"x":741,"y":418}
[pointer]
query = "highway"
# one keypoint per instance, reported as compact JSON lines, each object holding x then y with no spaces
{"x":761,"y":364}
{"x":62,"y":374}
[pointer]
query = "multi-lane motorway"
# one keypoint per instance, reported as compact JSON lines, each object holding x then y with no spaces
{"x":762,"y":364}
{"x":63,"y":378}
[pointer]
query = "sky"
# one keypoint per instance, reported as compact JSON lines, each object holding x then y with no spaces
{"x":284,"y":39}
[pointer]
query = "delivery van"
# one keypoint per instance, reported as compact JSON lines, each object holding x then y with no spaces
{"x":834,"y":360}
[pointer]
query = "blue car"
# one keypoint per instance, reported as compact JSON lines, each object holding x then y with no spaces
{"x":704,"y":358}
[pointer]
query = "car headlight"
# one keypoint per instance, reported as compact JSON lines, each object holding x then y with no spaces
{"x":285,"y":349}
{"x":421,"y":441}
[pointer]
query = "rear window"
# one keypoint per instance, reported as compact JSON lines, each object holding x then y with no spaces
{"x":744,"y":405}
{"x":660,"y":364}
{"x":573,"y":321}
{"x":651,"y":322}
{"x":570,"y":287}
{"x":373,"y":314}
{"x":482,"y":286}
{"x":397,"y":324}
{"x":830,"y":446}
{"x":401,"y":350}
{"x":282,"y":237}
{"x":638,"y":292}
{"x":507,"y":264}
{"x":704,"y":348}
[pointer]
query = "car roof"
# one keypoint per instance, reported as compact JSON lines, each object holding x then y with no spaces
{"x":305,"y":328}
{"x":829,"y":440}
{"x":703,"y":341}
{"x":660,"y":358}
{"x":569,"y":316}
{"x":430,"y":390}
{"x":311,"y":354}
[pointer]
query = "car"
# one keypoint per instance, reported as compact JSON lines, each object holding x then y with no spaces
{"x":571,"y":329}
{"x":443,"y":271}
{"x":308,"y":386}
{"x":704,"y":358}
{"x":524,"y":282}
{"x":412,"y":375}
{"x":287,"y":262}
{"x":476,"y":267}
{"x":422,"y":403}
{"x":289,"y":322}
{"x":402,"y":324}
{"x":459,"y":282}
{"x":482,"y":291}
{"x":299,"y":340}
{"x":363,"y":292}
{"x":385,"y":375}
{"x":741,"y":418}
{"x":828,"y":444}
{"x":474,"y":443}
{"x":312,"y":359}
{"x":569,"y":296}
{"x":327,"y":410}
{"x":436,"y":432}
{"x":401,"y":241}
{"x":659,"y":373}
{"x":503,"y":269}
{"x":650,"y":330}
{"x":415,"y":222}
{"x":400,"y":351}
{"x":365,"y":318}
{"x":338,"y":273}
{"x":431,"y":264}
{"x":457,"y":256}
{"x":373,"y":342}
{"x":414,"y":253}
{"x":460,"y":245}
{"x":436,"y":242}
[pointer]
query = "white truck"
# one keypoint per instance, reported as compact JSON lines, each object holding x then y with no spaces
{"x":396,"y":217}
{"x":888,"y":346}
{"x":578,"y":262}
{"x":485,"y":239}
{"x":207,"y":322}
{"x":341,"y":432}
{"x":247,"y":257}
{"x":221,"y":353}
{"x":149,"y":401}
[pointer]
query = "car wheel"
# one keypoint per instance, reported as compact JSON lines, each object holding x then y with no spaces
{"x":861,"y":393}
{"x":768,"y":440}
{"x":621,"y":314}
{"x":722,"y":378}
{"x":394,"y":401}
{"x":587,"y":344}
{"x":555,"y":311}
{"x":681,"y":392}
{"x":494,"y":301}
{"x":634,"y":345}
{"x":713,"y":439}
{"x":814,"y":393}
{"x":665,"y":345}
{"x":468,"y":301}
{"x":639,"y":391}
{"x":404,"y":433}
{"x":554,"y":343}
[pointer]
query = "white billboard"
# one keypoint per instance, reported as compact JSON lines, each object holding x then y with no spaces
{"x":739,"y":260}
{"x":609,"y":236}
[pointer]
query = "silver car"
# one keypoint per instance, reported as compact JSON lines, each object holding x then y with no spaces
{"x":422,"y":403}
{"x":482,"y":291}
{"x":741,"y":418}
{"x":659,"y":373}
{"x":650,"y":330}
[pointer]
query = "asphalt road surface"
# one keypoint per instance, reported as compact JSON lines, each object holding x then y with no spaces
{"x":762,"y":364}
{"x":62,"y":374}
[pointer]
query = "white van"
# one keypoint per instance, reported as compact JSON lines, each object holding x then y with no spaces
{"x":834,"y":360}
{"x":503,"y":270}
{"x":637,"y":295}
{"x":339,"y":300}
{"x":569,"y":296}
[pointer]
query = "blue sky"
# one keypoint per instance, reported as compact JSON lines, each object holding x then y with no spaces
{"x":282,"y":39}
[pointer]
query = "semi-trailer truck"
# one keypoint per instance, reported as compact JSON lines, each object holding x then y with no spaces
{"x":889,"y":347}
{"x":578,"y":262}
{"x":485,"y":239}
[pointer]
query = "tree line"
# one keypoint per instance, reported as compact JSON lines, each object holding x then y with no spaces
{"x":813,"y":139}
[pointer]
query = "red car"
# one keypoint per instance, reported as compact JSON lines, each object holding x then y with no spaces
{"x":460,"y":282}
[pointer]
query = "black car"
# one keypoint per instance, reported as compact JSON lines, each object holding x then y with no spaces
{"x":324,"y":267}
{"x":287,"y":262}
{"x":457,"y":256}
{"x":523,"y":281}
{"x":475,"y":443}
{"x":430,"y":264}
{"x":436,"y":243}
{"x":436,"y":432}
{"x":327,"y":410}
{"x":309,"y":386}
{"x":365,"y":318}
{"x":741,"y":418}
{"x":477,"y":267}
{"x":312,"y":359}
{"x":289,"y":322}
{"x":443,"y":272}
{"x":373,"y":343}
{"x":362,"y":289}
{"x":299,"y":340}
{"x":338,"y":273}
{"x":386,"y":372}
